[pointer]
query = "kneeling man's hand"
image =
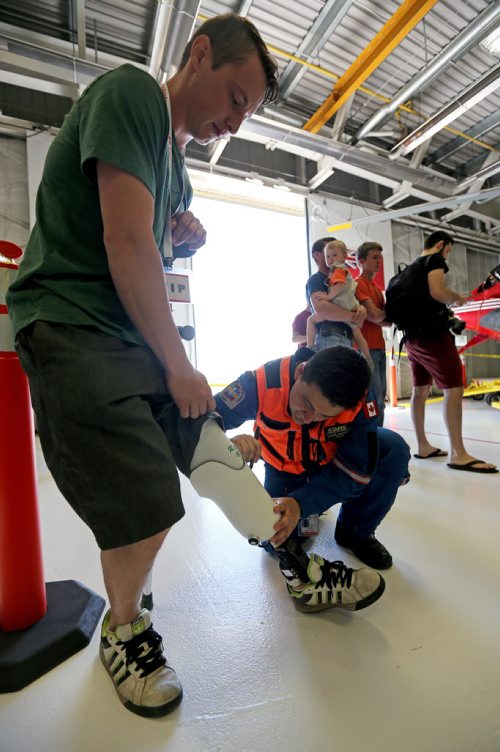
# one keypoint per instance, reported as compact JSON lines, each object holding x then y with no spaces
{"x":248,"y":447}
{"x":289,"y":509}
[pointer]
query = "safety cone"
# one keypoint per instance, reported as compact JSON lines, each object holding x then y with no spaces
{"x":393,"y":383}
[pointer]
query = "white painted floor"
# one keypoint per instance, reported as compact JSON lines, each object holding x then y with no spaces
{"x":419,"y":671}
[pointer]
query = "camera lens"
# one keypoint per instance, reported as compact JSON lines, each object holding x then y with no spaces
{"x":456,"y":325}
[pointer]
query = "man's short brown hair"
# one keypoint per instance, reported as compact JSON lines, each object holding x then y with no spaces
{"x":365,"y":248}
{"x":437,"y":237}
{"x":233,"y":38}
{"x":319,"y":245}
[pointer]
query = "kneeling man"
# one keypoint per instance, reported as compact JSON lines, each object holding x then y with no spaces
{"x":316,"y":430}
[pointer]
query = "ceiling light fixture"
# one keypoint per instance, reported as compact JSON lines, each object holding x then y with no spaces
{"x":492,"y":43}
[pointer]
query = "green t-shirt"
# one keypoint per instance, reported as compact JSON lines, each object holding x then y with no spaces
{"x":121,"y":118}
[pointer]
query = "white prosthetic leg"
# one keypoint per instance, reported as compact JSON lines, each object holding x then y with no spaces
{"x":219,"y":473}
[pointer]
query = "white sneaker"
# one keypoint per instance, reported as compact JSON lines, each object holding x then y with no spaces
{"x":333,"y":585}
{"x":133,"y":657}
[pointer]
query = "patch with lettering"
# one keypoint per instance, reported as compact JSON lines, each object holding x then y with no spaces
{"x":337,"y":432}
{"x":370,"y":409}
{"x":232,"y":395}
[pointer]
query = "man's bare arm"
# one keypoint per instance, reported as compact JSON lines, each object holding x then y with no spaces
{"x":298,"y":337}
{"x":127,"y":209}
{"x":374,"y":314}
{"x":330,"y":311}
{"x":440,"y":292}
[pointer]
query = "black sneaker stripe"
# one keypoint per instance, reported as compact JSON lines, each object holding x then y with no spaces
{"x":122,"y":678}
{"x":112,"y":658}
{"x":115,"y":669}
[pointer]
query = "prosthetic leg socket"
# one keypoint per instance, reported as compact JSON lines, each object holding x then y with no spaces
{"x":219,"y":473}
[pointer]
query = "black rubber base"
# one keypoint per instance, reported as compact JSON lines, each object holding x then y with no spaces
{"x":73,"y":613}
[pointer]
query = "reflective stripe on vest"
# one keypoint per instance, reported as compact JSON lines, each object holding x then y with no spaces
{"x":287,"y":445}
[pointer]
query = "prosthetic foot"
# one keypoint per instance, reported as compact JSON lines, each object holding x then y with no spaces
{"x":293,"y":561}
{"x":331,"y":584}
{"x":316,"y":584}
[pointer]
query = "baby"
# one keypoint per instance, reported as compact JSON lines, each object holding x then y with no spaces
{"x":341,"y":287}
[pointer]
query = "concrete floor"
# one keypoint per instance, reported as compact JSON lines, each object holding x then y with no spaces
{"x":419,"y":671}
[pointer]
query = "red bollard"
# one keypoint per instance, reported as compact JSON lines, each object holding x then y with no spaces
{"x":22,"y":586}
{"x":41,"y":624}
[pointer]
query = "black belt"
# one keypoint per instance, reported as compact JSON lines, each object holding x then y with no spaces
{"x":327,"y":328}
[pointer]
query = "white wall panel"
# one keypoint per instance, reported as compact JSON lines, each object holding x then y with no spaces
{"x":14,"y":219}
{"x":37,"y":147}
{"x":324,"y":212}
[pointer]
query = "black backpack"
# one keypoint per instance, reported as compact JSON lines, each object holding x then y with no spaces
{"x":404,"y":298}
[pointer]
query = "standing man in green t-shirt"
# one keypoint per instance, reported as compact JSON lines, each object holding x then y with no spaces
{"x":109,"y":376}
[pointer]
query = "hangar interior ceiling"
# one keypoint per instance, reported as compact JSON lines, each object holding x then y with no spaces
{"x":387,"y":104}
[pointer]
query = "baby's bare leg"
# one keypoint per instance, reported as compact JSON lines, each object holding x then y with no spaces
{"x":311,"y":328}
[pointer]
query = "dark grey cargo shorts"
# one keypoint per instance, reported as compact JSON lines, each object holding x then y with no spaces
{"x":110,"y":432}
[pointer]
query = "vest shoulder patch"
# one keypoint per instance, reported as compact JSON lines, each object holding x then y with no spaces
{"x":233,"y":394}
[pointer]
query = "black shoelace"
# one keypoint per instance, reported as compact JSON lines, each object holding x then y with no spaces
{"x":335,"y":573}
{"x":146,"y":650}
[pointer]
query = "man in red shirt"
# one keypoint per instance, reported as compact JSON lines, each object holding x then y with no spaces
{"x":369,"y":258}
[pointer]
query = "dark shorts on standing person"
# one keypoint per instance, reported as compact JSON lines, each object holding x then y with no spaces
{"x":110,"y":432}
{"x":435,"y":359}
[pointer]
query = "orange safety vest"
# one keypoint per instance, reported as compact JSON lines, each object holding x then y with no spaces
{"x":286,"y":445}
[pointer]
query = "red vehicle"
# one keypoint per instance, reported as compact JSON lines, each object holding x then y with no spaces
{"x":481,"y":314}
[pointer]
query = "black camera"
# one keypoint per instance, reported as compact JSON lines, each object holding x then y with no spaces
{"x":455,"y":325}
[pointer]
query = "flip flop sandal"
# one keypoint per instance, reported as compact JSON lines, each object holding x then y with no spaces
{"x":471,"y":467}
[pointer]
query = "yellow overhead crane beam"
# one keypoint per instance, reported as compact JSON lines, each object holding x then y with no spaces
{"x":390,"y":35}
{"x":369,"y":92}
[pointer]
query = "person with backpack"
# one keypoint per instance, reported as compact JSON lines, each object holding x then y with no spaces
{"x":431,"y":349}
